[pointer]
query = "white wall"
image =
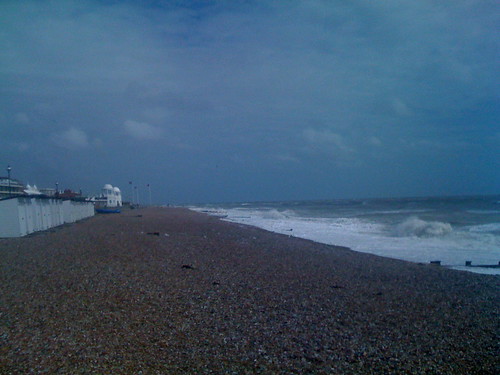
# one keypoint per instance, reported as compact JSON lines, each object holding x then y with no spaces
{"x":25,"y":215}
{"x":74,"y":211}
{"x":9,"y":219}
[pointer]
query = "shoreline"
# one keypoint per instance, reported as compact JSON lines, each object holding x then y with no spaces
{"x":202,"y":295}
{"x":413,"y":248}
{"x":476,"y":269}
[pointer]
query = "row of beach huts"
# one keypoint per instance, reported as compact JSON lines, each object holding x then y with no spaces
{"x":29,"y":210}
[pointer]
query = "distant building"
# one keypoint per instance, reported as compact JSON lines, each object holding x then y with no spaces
{"x":118,"y":196}
{"x":110,"y":197}
{"x":14,"y":188}
{"x":49,"y":192}
{"x":69,"y":194}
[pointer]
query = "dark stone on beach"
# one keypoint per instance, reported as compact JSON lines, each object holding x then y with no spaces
{"x":187,"y":266}
{"x":154,"y":233}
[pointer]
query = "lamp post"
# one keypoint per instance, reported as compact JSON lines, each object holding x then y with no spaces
{"x":149,"y":188}
{"x":8,"y":173}
{"x":57,"y":189}
{"x":131,"y":193}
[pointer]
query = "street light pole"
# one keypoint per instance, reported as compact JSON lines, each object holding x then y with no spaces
{"x":8,"y":173}
{"x":131,"y":193}
{"x":149,"y":188}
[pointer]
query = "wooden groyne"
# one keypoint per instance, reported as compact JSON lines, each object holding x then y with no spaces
{"x":468,"y":263}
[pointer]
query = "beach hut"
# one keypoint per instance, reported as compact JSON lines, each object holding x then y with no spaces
{"x":20,"y":216}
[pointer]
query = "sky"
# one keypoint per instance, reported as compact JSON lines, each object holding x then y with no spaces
{"x":232,"y":101}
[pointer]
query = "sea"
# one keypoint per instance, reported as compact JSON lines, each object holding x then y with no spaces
{"x":452,"y":230}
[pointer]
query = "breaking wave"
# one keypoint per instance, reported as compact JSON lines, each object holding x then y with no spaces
{"x":449,"y":230}
{"x":275,"y":214}
{"x":492,"y":227}
{"x":415,"y":227}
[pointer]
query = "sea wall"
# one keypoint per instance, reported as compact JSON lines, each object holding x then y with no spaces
{"x":24,"y":215}
{"x":76,"y":210}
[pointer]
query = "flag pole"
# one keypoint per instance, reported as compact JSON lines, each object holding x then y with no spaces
{"x":131,"y":193}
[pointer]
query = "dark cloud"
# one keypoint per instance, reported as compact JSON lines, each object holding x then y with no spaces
{"x":213,"y":101}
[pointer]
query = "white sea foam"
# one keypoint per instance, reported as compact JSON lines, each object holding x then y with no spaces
{"x":412,"y":238}
{"x":414,"y":226}
{"x":492,"y":227}
{"x":274,"y":214}
{"x":400,"y":211}
{"x":484,"y":212}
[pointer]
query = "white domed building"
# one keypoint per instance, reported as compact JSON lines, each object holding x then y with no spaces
{"x":112,"y":195}
{"x":118,"y":196}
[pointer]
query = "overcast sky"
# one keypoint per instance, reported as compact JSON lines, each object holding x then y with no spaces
{"x":212,"y":101}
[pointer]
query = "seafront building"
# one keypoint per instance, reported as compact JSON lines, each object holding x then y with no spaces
{"x":49,"y":192}
{"x":113,"y":195}
{"x":10,"y":187}
{"x":110,"y":197}
{"x":27,"y":209}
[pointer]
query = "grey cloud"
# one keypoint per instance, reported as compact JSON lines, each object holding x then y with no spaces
{"x":71,"y":138}
{"x":142,"y":130}
{"x":238,"y":81}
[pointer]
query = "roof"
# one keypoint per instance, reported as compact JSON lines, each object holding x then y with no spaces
{"x":13,"y":182}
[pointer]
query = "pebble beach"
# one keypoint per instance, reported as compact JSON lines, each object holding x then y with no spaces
{"x":172,"y":291}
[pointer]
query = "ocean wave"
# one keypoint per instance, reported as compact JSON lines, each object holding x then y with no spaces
{"x":265,"y":214}
{"x":412,"y":237}
{"x":399,"y":211}
{"x":415,"y":227}
{"x":276,"y":215}
{"x":484,"y":212}
{"x":219,"y":212}
{"x":492,"y":227}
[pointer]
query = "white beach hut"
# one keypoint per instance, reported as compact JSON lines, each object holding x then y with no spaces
{"x":20,"y":216}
